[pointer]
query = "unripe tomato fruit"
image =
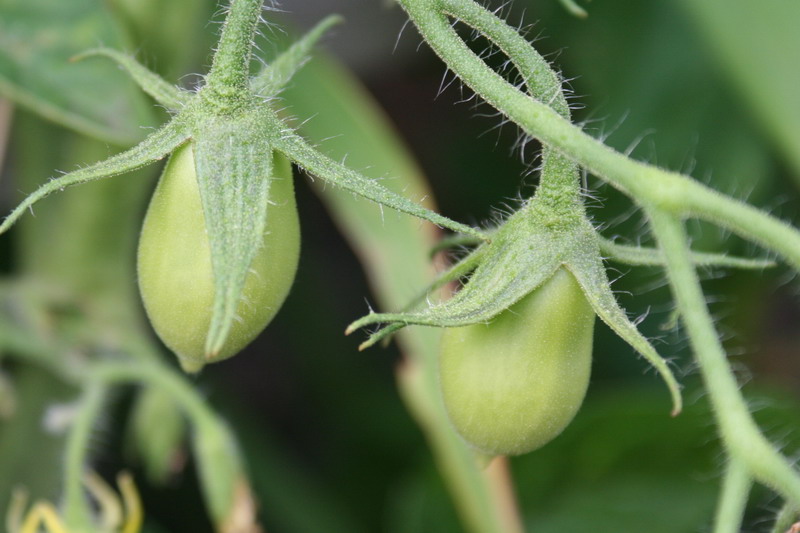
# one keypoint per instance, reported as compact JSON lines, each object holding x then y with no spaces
{"x":513,"y":385}
{"x":174,"y":263}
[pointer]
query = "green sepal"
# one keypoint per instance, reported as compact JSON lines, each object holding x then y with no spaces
{"x":170,"y":96}
{"x":276,"y":75}
{"x":641,"y":256}
{"x":314,"y":162}
{"x":590,"y":272}
{"x":234,"y":168}
{"x":521,"y":256}
{"x":154,"y":147}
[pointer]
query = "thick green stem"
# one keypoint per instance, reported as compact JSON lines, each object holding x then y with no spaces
{"x":77,"y":511}
{"x":230,"y":70}
{"x":740,"y":435}
{"x":646,"y":184}
{"x":559,"y":186}
{"x":732,"y":502}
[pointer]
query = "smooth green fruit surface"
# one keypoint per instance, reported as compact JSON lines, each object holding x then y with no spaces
{"x":174,"y":263}
{"x":513,"y":385}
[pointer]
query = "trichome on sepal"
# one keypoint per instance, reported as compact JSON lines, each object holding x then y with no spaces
{"x":227,"y":135}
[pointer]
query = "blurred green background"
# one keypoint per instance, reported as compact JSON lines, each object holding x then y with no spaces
{"x":705,"y":87}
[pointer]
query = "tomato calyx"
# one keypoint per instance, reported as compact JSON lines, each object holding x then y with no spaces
{"x":524,"y":253}
{"x":234,"y":132}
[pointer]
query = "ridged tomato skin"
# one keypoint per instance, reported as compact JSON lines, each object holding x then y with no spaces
{"x":174,"y":263}
{"x":513,"y":385}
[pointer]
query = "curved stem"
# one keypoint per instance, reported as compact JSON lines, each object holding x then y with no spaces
{"x":230,"y":69}
{"x":77,"y":511}
{"x":738,"y":431}
{"x":157,"y":375}
{"x":649,"y":185}
{"x":223,"y":480}
{"x":732,"y":502}
{"x":560,"y":180}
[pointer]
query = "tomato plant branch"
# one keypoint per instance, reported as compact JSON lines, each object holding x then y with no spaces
{"x":740,"y":435}
{"x":667,"y":197}
{"x":77,"y":511}
{"x":733,"y":500}
{"x":668,"y":191}
{"x":220,"y":467}
{"x":228,"y":77}
{"x":560,"y":186}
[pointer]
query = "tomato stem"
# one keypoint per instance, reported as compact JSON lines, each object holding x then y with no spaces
{"x":735,"y":489}
{"x":77,"y":511}
{"x":228,"y":78}
{"x":740,"y":434}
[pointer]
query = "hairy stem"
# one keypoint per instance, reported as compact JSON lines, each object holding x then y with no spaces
{"x":732,"y":502}
{"x":77,"y":511}
{"x":740,"y":435}
{"x":646,"y":184}
{"x":230,"y":69}
{"x":559,"y":180}
{"x":157,"y":375}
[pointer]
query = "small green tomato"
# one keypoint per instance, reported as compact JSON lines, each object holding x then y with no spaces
{"x":174,"y":262}
{"x":513,"y":385}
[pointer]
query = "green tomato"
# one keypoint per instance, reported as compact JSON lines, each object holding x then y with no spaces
{"x":511,"y":386}
{"x":174,"y":263}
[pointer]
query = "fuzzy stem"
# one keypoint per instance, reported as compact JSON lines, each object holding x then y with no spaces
{"x":230,"y":69}
{"x":559,"y":180}
{"x":77,"y":511}
{"x":732,"y":502}
{"x":646,"y":184}
{"x":157,"y":375}
{"x":740,"y":435}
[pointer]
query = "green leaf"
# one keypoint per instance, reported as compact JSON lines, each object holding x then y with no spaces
{"x":37,"y":39}
{"x":29,"y":455}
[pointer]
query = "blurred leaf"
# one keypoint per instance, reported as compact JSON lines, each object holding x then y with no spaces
{"x":758,"y":43}
{"x":30,"y":456}
{"x":394,"y":250}
{"x":624,"y":465}
{"x":293,"y":499}
{"x":393,"y":247}
{"x":84,"y":238}
{"x":37,"y":38}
